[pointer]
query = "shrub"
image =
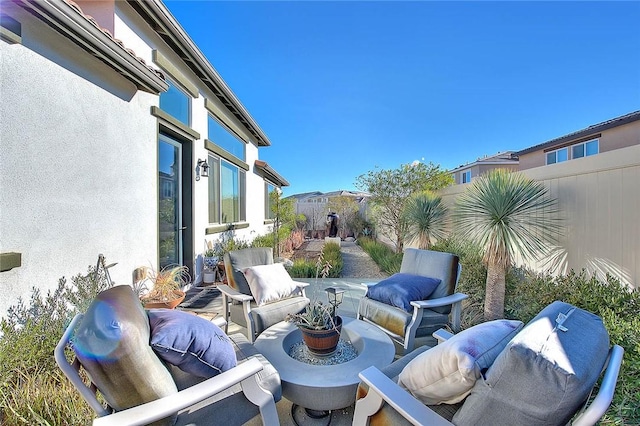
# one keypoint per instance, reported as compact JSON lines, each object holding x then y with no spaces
{"x":387,"y":259}
{"x":32,"y":388}
{"x":303,"y":268}
{"x":331,"y":255}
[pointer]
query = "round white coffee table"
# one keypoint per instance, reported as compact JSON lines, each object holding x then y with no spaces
{"x":324,"y":387}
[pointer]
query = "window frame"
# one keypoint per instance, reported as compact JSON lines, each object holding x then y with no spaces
{"x":465,"y":177}
{"x":215,"y":191}
{"x":242,"y":145}
{"x":555,"y":152}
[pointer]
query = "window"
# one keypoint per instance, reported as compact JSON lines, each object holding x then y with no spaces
{"x":466,"y":176}
{"x":268,"y":211}
{"x":585,"y":149}
{"x":227,"y":199}
{"x":558,"y":156}
{"x":176,"y":103}
{"x":222,"y":137}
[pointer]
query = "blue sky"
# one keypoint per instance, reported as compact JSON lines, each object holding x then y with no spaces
{"x":341,"y":88}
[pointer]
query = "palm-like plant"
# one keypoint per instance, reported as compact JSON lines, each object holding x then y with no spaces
{"x":424,"y":216}
{"x":509,"y":216}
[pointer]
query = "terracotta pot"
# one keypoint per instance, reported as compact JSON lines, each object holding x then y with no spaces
{"x":322,"y":342}
{"x":180,"y":295}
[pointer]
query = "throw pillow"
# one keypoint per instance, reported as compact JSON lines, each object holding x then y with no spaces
{"x":400,"y":289}
{"x":112,"y":344}
{"x":269,"y":283}
{"x":446,"y":373}
{"x":191,"y":343}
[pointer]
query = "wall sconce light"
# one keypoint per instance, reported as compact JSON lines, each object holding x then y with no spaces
{"x":202,"y":169}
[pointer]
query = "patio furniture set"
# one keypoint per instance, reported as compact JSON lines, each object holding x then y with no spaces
{"x":174,"y":367}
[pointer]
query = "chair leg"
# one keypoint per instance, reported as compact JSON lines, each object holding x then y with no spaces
{"x":262,"y":398}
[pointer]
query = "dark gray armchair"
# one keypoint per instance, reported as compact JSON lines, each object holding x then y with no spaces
{"x":443,"y":307}
{"x":238,"y":303}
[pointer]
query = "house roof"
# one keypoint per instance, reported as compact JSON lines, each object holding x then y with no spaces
{"x":167,"y":27}
{"x":67,"y":18}
{"x":591,"y":130}
{"x":313,"y":194}
{"x":505,"y":157}
{"x":268,"y":172}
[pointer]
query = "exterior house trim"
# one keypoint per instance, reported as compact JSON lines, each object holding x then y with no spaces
{"x":174,"y":124}
{"x":210,"y":146}
{"x":265,"y":170}
{"x":74,"y":25}
{"x":573,"y":142}
{"x":159,"y":18}
{"x":164,"y":63}
{"x":10,"y":260}
{"x":216,"y":229}
{"x":588,"y":132}
{"x":10,"y":30}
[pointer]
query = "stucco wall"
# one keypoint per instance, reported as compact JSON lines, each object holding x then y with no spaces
{"x":78,"y":165}
{"x":599,"y":199}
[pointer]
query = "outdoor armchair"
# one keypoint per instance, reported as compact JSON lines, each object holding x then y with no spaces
{"x":442,"y":308}
{"x":543,"y":373}
{"x":111,"y":343}
{"x":257,"y":312}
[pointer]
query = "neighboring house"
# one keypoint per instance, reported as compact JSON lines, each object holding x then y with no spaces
{"x":617,"y":133}
{"x":594,"y":174}
{"x":117,"y":137}
{"x":315,"y":207}
{"x":467,"y":172}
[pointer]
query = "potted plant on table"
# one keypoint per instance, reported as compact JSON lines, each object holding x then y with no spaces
{"x":167,"y":284}
{"x":318,"y":323}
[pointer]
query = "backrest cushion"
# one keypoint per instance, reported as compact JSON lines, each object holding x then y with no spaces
{"x":400,"y":289}
{"x":439,"y":265}
{"x":269,"y":283}
{"x":446,"y":373}
{"x":112,"y":344}
{"x":191,"y":343}
{"x":236,"y":261}
{"x":544,"y":374}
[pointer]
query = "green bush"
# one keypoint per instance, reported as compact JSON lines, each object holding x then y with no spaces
{"x":303,"y":268}
{"x":387,"y":260}
{"x":331,"y":255}
{"x":32,"y":388}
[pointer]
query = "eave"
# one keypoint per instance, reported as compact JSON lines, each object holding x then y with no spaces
{"x":267,"y":172}
{"x":71,"y":23}
{"x":162,"y":22}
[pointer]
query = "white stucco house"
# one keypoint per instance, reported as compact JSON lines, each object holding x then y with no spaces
{"x":109,"y":112}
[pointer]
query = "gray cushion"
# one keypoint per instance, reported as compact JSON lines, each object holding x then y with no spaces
{"x":112,"y":344}
{"x":434,"y":264}
{"x":396,"y":320}
{"x":267,"y":315}
{"x":237,"y":261}
{"x":544,"y":374}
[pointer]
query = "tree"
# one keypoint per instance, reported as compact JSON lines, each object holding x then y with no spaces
{"x":347,"y":208}
{"x":509,"y":216}
{"x":390,"y":190}
{"x":425,"y":218}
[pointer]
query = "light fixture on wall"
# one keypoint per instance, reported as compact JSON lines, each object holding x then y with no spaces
{"x":202,"y":169}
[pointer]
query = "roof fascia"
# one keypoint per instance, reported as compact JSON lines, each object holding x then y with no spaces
{"x":580,"y":134}
{"x":165,"y":25}
{"x":65,"y":19}
{"x":269,"y":173}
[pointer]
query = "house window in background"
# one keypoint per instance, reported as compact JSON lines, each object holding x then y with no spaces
{"x":227,"y":196}
{"x":176,"y":103}
{"x":466,"y":176}
{"x":558,"y":156}
{"x":585,"y":149}
{"x":221,"y":136}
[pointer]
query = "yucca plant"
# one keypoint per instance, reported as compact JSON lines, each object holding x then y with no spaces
{"x":425,"y":219}
{"x":508,"y":216}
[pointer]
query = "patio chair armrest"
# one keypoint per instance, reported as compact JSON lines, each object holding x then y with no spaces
{"x":383,"y":389}
{"x":164,"y":407}
{"x":442,"y":335}
{"x":220,"y":322}
{"x":301,"y":285}
{"x":234,"y":294}
{"x":441,"y":301}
